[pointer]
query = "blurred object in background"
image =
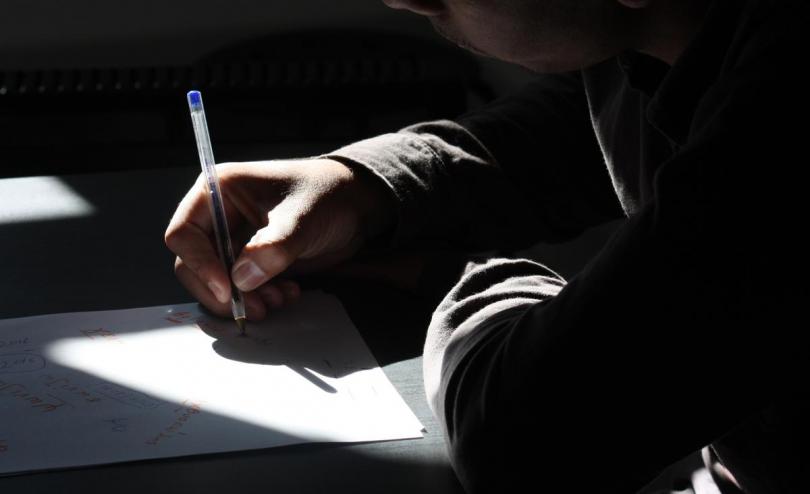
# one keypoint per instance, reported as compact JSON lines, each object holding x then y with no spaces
{"x":283,"y":95}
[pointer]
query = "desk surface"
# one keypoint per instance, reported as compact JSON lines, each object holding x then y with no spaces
{"x":94,"y":242}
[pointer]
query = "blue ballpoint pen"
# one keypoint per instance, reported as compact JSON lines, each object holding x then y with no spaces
{"x":221,"y":232}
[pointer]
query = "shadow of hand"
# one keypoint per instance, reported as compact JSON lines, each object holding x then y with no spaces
{"x":261,"y":346}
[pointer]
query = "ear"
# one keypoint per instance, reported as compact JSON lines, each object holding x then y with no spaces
{"x":635,"y":4}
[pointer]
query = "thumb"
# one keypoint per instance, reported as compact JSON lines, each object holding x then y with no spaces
{"x":271,"y":250}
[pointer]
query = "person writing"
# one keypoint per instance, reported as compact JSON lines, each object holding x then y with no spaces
{"x":676,"y":116}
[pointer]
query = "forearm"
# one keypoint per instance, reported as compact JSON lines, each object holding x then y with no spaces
{"x":524,"y":169}
{"x":590,"y":374}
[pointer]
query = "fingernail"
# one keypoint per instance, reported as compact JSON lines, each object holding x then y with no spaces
{"x":247,"y":276}
{"x":220,"y":293}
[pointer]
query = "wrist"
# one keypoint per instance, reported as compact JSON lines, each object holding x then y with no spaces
{"x":375,"y":201}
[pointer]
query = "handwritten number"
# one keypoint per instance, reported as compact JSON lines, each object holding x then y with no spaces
{"x":118,"y":425}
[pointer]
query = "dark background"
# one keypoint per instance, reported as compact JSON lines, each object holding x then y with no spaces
{"x":91,"y":86}
{"x":99,"y":86}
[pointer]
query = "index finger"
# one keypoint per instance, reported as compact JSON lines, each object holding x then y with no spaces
{"x":189,"y":236}
{"x":192,"y":209}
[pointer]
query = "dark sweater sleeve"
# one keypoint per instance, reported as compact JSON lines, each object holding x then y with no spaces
{"x":684,"y":324}
{"x":523,"y":169}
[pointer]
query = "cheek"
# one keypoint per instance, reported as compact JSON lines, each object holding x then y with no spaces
{"x":523,"y":38}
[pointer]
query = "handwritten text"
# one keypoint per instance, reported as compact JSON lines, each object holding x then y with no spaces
{"x":118,"y":425}
{"x":126,"y":396}
{"x":180,"y":317}
{"x":20,"y":362}
{"x":15,"y":342}
{"x":102,"y":334}
{"x":65,"y":385}
{"x":185,"y":412}
{"x":21,"y":393}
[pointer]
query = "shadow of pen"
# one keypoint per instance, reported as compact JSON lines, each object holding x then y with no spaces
{"x":263,"y":349}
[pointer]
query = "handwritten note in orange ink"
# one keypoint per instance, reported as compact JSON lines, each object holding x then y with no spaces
{"x":169,"y":381}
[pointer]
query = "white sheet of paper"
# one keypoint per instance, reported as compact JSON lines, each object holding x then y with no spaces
{"x":92,"y":388}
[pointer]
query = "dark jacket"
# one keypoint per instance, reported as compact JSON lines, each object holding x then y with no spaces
{"x":687,"y":328}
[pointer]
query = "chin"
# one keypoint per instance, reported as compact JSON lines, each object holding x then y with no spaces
{"x":551,"y":66}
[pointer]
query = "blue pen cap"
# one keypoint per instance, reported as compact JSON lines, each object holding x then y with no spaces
{"x":195,"y":100}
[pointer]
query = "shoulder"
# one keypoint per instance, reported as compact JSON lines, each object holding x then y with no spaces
{"x":770,"y":34}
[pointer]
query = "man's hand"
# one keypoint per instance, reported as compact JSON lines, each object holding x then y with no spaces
{"x":296,"y":216}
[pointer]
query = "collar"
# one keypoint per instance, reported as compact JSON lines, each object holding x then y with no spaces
{"x":676,"y":91}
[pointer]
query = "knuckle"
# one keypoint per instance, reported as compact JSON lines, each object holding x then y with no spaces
{"x":178,"y":238}
{"x":171,"y":237}
{"x":282,"y":254}
{"x":226,"y":171}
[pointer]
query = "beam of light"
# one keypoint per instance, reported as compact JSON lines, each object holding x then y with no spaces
{"x":161,"y":366}
{"x":283,"y":384}
{"x":29,"y":199}
{"x":157,"y":382}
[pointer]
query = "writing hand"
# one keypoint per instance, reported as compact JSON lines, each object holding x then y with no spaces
{"x":291,"y":217}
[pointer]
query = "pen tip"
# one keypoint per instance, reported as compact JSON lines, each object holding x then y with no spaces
{"x":240,"y":322}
